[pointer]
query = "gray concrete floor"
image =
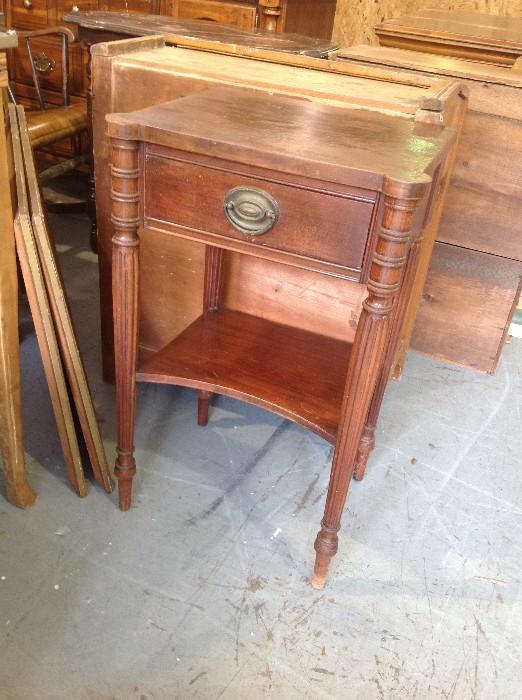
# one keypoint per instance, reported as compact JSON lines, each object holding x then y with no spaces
{"x":202,"y":589}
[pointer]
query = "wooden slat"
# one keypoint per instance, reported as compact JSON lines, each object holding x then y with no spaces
{"x":62,"y":319}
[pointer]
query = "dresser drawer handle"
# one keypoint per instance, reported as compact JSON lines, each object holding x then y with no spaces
{"x":252,"y":211}
{"x":44,"y":64}
{"x":27,"y":4}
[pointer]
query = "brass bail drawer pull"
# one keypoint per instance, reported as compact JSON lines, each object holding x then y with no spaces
{"x":251,"y":210}
{"x":44,"y":64}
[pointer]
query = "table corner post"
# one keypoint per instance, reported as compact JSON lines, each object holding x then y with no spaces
{"x":125,"y":241}
{"x":367,"y":356}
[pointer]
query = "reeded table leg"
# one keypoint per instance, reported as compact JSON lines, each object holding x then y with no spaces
{"x":125,"y":300}
{"x":367,"y":442}
{"x":367,"y":358}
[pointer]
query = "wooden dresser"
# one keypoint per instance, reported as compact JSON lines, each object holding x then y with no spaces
{"x":296,"y":184}
{"x":474,"y":280}
{"x":470,"y":35}
{"x":306,"y":17}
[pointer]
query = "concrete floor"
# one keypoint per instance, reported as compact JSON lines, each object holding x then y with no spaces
{"x":202,"y":589}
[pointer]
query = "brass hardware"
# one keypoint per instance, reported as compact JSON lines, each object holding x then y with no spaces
{"x":27,"y":4}
{"x":75,"y":8}
{"x":251,"y":210}
{"x":44,"y":64}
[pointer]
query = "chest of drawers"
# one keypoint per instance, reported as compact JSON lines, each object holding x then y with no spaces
{"x":296,"y":184}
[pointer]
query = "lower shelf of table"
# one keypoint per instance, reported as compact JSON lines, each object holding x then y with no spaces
{"x":294,"y":373}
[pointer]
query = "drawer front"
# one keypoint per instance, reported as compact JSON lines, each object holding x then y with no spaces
{"x":236,"y":14}
{"x":49,"y":51}
{"x":318,"y":225}
{"x":32,"y":14}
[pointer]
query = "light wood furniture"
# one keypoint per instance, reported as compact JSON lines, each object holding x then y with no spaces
{"x":122,"y":82}
{"x":329,"y":190}
{"x":469,"y":35}
{"x":18,"y":490}
{"x":474,"y":281}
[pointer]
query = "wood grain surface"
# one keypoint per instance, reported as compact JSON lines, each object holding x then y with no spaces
{"x":358,"y":27}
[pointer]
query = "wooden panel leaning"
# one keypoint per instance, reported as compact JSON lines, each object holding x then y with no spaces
{"x":251,"y":152}
{"x":68,"y":343}
{"x":43,"y":321}
{"x":474,"y":280}
{"x":121,"y":82}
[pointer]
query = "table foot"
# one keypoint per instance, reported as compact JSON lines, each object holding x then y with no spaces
{"x":125,"y":493}
{"x":325,"y":547}
{"x":203,"y":406}
{"x":124,"y":471}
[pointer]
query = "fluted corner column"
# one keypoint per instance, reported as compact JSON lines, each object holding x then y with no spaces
{"x":125,"y":220}
{"x":367,"y":441}
{"x":367,"y":356}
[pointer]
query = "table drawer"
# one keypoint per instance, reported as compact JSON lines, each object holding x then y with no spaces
{"x":32,"y":14}
{"x":329,"y":227}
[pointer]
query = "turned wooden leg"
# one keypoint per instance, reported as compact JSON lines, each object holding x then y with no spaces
{"x":367,"y":357}
{"x":125,"y":300}
{"x":367,"y":441}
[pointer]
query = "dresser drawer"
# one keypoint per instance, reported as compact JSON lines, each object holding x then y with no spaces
{"x":238,"y":14}
{"x":327,"y":227}
{"x":32,"y":14}
{"x":48,"y":55}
